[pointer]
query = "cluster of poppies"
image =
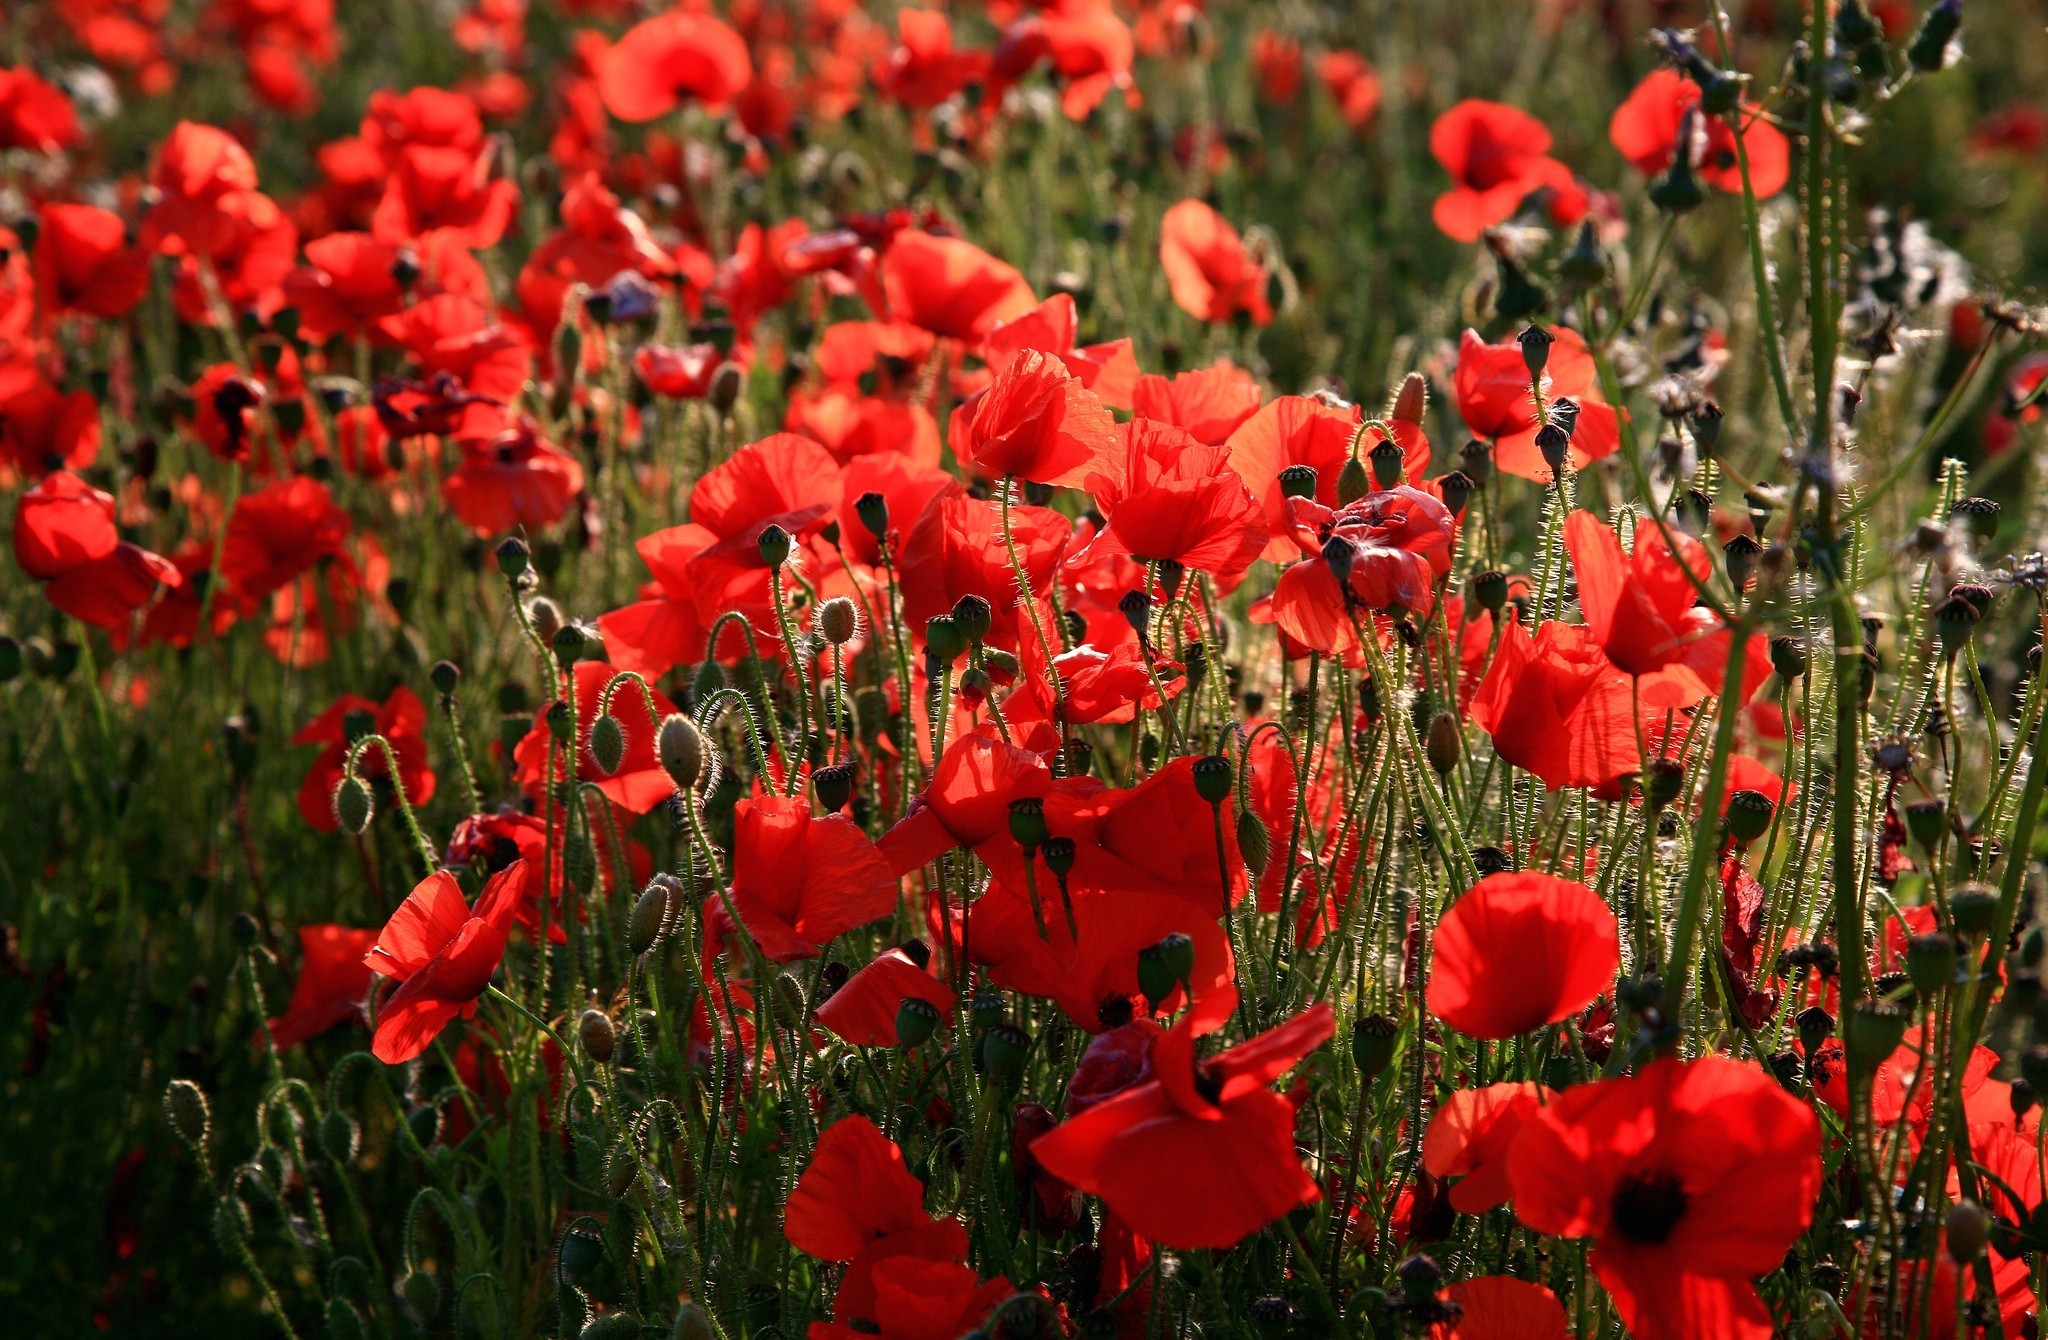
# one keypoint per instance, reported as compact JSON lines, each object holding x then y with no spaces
{"x":1003,"y":820}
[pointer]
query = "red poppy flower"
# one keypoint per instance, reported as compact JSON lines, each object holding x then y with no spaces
{"x":333,"y":984}
{"x":1109,"y":370}
{"x":855,"y":1192}
{"x":443,"y":953}
{"x":452,"y":191}
{"x":951,"y":287}
{"x":598,"y":240}
{"x":1640,"y":606}
{"x":966,"y":801}
{"x":1291,"y":430}
{"x":1469,"y":1137}
{"x":1202,"y":1154}
{"x":1209,"y":402}
{"x":280,"y":532}
{"x":64,"y":537}
{"x":1521,"y":950}
{"x":1382,"y":553}
{"x":1276,"y":58}
{"x":349,"y":287}
{"x":905,"y":485}
{"x":1035,"y":421}
{"x":799,"y":882}
{"x":1500,"y":1307}
{"x":1170,"y":498}
{"x":251,"y":248}
{"x":34,"y":114}
{"x":639,"y":783}
{"x":671,"y":58}
{"x":1107,"y":687}
{"x":44,"y":429}
{"x":400,"y":718}
{"x":1212,"y":274}
{"x":86,"y":264}
{"x":956,"y":549}
{"x":1494,"y":399}
{"x":1646,"y":127}
{"x":1557,"y":707}
{"x":1692,"y":1178}
{"x":863,"y":1010}
{"x":1497,"y":156}
{"x":516,"y":478}
{"x":1353,"y":84}
{"x":1087,"y":44}
{"x":652,"y":636}
{"x":925,"y":68}
{"x":678,"y":373}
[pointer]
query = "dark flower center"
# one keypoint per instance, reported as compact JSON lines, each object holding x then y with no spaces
{"x":1647,"y":1206}
{"x":1209,"y":1084}
{"x":1114,"y":1012}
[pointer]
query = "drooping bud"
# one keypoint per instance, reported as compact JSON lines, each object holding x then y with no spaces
{"x":1353,"y":482}
{"x":594,"y":1030}
{"x":651,"y":913}
{"x":1443,"y":745}
{"x":607,"y":744}
{"x":680,"y":747}
{"x":353,"y":807}
{"x":1254,"y":843}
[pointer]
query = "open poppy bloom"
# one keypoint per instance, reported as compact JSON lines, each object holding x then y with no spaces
{"x":442,"y":952}
{"x":34,"y":113}
{"x":1209,"y":269}
{"x":1647,"y":125}
{"x":639,"y":783}
{"x":799,"y":882}
{"x":671,"y":58}
{"x":925,"y":68}
{"x":43,"y":429}
{"x":1497,"y":157}
{"x":1209,"y":402}
{"x":1382,"y":553}
{"x":1202,"y":1154}
{"x":64,"y":537}
{"x":333,"y":984}
{"x":1500,"y":1307}
{"x":400,"y":718}
{"x":1169,"y":498}
{"x":1110,"y":369}
{"x":1496,"y":401}
{"x":1641,"y":606}
{"x":1521,"y":950}
{"x":956,"y":548}
{"x":1556,"y":706}
{"x":863,"y":1010}
{"x":1692,"y":1178}
{"x":511,"y":479}
{"x":85,"y":263}
{"x":1291,"y":430}
{"x":950,"y":286}
{"x":1035,"y":421}
{"x":1469,"y":1137}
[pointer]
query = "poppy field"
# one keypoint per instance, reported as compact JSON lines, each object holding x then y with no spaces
{"x":1055,"y":668}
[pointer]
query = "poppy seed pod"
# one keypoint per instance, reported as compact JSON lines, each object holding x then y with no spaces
{"x":1871,"y":1031}
{"x":1741,"y":555}
{"x":1027,"y":822}
{"x":726,"y":384}
{"x":1457,"y":489}
{"x":1815,"y":1026}
{"x":1930,"y":46}
{"x":1931,"y":962}
{"x":775,"y":545}
{"x":1004,"y":1049}
{"x":1353,"y":482}
{"x":446,"y":677}
{"x":1213,"y":778}
{"x":1475,"y":458}
{"x":1372,"y":1045}
{"x":838,"y":621}
{"x":1973,"y":908}
{"x":1489,"y":590}
{"x":833,"y":786}
{"x":873,"y":511}
{"x":1136,"y":607}
{"x":1298,"y":481}
{"x":594,"y":1030}
{"x":1554,"y":441}
{"x":1584,"y":263}
{"x":1386,"y":463}
{"x":680,"y":747}
{"x":1926,"y":821}
{"x":1789,"y":658}
{"x":513,"y":556}
{"x":1966,"y":1232}
{"x":1678,"y":190}
{"x":917,"y":1019}
{"x":944,"y":639}
{"x":561,"y":722}
{"x":1535,"y":343}
{"x":1978,"y":516}
{"x":353,"y":808}
{"x":607,"y":744}
{"x":1749,"y":814}
{"x":1953,"y":623}
{"x":1059,"y":855}
{"x":1340,"y":554}
{"x":973,"y":616}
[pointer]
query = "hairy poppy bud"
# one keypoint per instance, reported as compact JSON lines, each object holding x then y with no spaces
{"x":1931,"y":962}
{"x":1535,"y":342}
{"x":594,"y":1030}
{"x":607,"y":744}
{"x":838,"y":621}
{"x":1665,"y":780}
{"x":1443,"y":745}
{"x":692,"y":1323}
{"x":1213,"y":778}
{"x":726,"y":384}
{"x":339,"y":1137}
{"x":1871,"y":1031}
{"x":513,"y":556}
{"x":873,"y":511}
{"x":1411,"y":402}
{"x":1789,"y":658}
{"x":1254,"y":843}
{"x":1372,"y":1045}
{"x":1298,"y":481}
{"x":833,"y":786}
{"x":353,"y":807}
{"x":1929,"y":49}
{"x":680,"y":747}
{"x":1966,"y":1232}
{"x":1352,"y":482}
{"x":649,"y":918}
{"x":547,"y":619}
{"x":974,"y":617}
{"x":1749,"y":814}
{"x":1027,"y":822}
{"x":1387,"y":463}
{"x":916,"y":1020}
{"x":190,"y":1115}
{"x":775,"y":545}
{"x":943,"y":638}
{"x":422,"y":1293}
{"x":1973,"y":907}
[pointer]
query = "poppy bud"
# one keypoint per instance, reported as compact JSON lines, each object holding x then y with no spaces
{"x":973,"y":616}
{"x":1535,"y":342}
{"x":513,"y":556}
{"x":594,"y":1030}
{"x":1973,"y":908}
{"x":873,"y":511}
{"x":726,"y":384}
{"x":422,"y":1294}
{"x":679,"y":746}
{"x":1979,"y":516}
{"x":1931,"y":962}
{"x":561,"y":722}
{"x":1420,"y":1277}
{"x":607,"y":744}
{"x":1442,"y":744}
{"x":1788,"y":658}
{"x":1254,"y":843}
{"x":650,"y":913}
{"x":1372,"y":1045}
{"x":833,"y":786}
{"x":1457,"y":489}
{"x":1352,"y":482}
{"x":1386,"y":463}
{"x":190,"y":1115}
{"x":1491,"y":861}
{"x":1004,"y":1049}
{"x":692,"y":1323}
{"x":1212,"y":778}
{"x":1749,"y":814}
{"x":838,"y":621}
{"x":775,"y":545}
{"x":1027,"y":822}
{"x":1136,"y":607}
{"x":446,"y":677}
{"x":1298,"y":481}
{"x":1926,"y":821}
{"x":916,"y":1020}
{"x":943,"y":639}
{"x":339,"y":1137}
{"x":353,"y":807}
{"x":1966,"y":1232}
{"x":1273,"y":1315}
{"x":1929,"y":49}
{"x":1411,"y":402}
{"x":1665,"y":780}
{"x":1871,"y":1031}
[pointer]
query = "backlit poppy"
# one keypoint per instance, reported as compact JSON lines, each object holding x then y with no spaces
{"x":333,"y":985}
{"x":1692,"y":1178}
{"x":672,"y":58}
{"x":1557,"y":707}
{"x":1035,"y":421}
{"x":1646,"y":127}
{"x":863,"y":1010}
{"x":401,"y":718}
{"x":1169,"y":498}
{"x":85,"y":263}
{"x":1640,"y":606}
{"x":1469,"y":1137}
{"x":516,"y":478}
{"x":1496,"y":401}
{"x":34,"y":114}
{"x":1521,"y":950}
{"x":44,"y":429}
{"x":1209,"y":402}
{"x":1288,"y":431}
{"x":1211,"y":272}
{"x":951,"y":287}
{"x":1497,"y":156}
{"x":1500,"y":1307}
{"x":443,"y":953}
{"x":798,"y":881}
{"x":64,"y":537}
